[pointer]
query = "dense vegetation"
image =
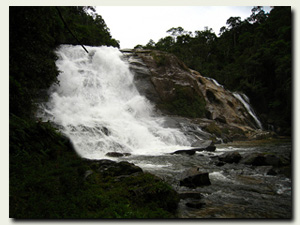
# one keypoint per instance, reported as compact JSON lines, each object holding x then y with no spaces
{"x":252,"y":56}
{"x":34,"y":33}
{"x":46,"y":175}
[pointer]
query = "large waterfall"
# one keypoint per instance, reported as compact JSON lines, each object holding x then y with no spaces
{"x":98,"y":107}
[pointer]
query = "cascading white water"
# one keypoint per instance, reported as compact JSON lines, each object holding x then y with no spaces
{"x":98,"y":107}
{"x":245,"y":101}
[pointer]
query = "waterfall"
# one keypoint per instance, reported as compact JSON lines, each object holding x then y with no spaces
{"x":214,"y":81}
{"x":97,"y":105}
{"x":246,"y":102}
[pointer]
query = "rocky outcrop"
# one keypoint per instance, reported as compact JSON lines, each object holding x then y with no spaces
{"x":177,"y":90}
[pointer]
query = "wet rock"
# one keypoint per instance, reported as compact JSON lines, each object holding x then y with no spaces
{"x":105,"y":131}
{"x":285,"y":170}
{"x":188,"y":152}
{"x":220,"y":164}
{"x":112,"y":168}
{"x":272,"y":172}
{"x":260,"y":159}
{"x":202,"y":143}
{"x":230,"y":157}
{"x":194,"y":195}
{"x":195,"y":205}
{"x":255,"y":159}
{"x":210,"y":148}
{"x":117,"y":154}
{"x":193,"y":178}
{"x":273,"y":160}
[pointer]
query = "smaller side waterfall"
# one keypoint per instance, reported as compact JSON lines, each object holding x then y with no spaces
{"x":245,"y":101}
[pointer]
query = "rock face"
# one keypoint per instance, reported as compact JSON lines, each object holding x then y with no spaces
{"x":179,"y":91}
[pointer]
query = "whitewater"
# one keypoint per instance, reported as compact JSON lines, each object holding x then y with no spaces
{"x":97,"y":105}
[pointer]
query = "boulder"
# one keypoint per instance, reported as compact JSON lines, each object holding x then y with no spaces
{"x":112,"y":168}
{"x":230,"y":157}
{"x":188,"y":152}
{"x":202,"y":143}
{"x":193,"y":178}
{"x":117,"y":154}
{"x":273,"y":160}
{"x":210,"y":148}
{"x":255,"y":159}
{"x":261,"y":159}
{"x":195,"y":205}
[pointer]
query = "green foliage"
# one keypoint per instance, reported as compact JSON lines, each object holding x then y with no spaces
{"x":47,"y":181}
{"x":185,"y":103}
{"x":34,"y":33}
{"x":252,"y":56}
{"x":160,"y":59}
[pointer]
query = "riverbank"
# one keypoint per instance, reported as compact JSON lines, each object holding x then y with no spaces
{"x":48,"y":180}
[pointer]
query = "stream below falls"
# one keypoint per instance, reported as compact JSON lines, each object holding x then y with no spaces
{"x":236,"y":191}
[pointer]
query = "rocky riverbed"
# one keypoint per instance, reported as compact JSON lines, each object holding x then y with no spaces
{"x":237,"y":180}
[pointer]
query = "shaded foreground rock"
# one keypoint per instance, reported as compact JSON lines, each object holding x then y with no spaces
{"x":112,"y":168}
{"x":139,"y":187}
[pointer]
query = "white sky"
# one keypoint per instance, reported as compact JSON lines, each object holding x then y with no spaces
{"x":133,"y":25}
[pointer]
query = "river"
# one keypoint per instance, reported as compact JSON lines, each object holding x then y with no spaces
{"x":236,"y":191}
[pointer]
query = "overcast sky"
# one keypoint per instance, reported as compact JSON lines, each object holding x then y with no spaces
{"x":133,"y":25}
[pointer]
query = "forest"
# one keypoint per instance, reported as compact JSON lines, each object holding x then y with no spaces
{"x":253,"y":56}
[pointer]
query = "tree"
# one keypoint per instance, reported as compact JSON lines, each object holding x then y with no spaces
{"x":233,"y":23}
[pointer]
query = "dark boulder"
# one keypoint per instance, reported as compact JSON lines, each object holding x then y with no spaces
{"x":188,"y":152}
{"x":273,"y":160}
{"x":195,"y":205}
{"x":204,"y":145}
{"x":272,"y":172}
{"x":193,"y":178}
{"x":230,"y":157}
{"x":260,"y":159}
{"x":117,"y":154}
{"x":112,"y":168}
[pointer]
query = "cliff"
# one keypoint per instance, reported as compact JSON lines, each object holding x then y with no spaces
{"x":183,"y":94}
